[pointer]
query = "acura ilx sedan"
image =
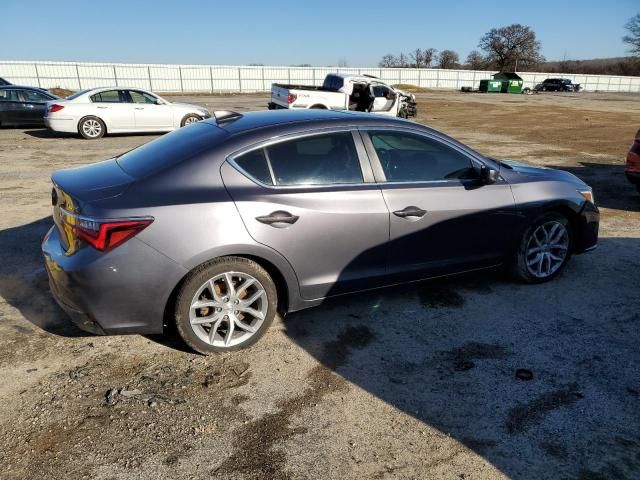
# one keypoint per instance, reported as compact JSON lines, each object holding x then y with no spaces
{"x":218,"y":226}
{"x":100,"y":111}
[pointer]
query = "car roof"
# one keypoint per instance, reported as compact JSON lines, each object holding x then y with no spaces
{"x":23,"y":87}
{"x":250,"y":121}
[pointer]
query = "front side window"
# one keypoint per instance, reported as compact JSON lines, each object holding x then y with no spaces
{"x":382,"y":91}
{"x":142,"y":97}
{"x":108,"y":96}
{"x":407,"y":157}
{"x":326,"y":159}
{"x":34,"y":96}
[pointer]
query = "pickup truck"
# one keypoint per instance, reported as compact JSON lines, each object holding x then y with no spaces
{"x":341,"y":91}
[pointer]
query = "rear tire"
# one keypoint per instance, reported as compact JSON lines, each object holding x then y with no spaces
{"x":212,"y":317}
{"x":91,"y":128}
{"x":544,"y":249}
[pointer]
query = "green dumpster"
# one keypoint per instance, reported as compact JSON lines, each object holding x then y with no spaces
{"x":491,"y":86}
{"x":512,"y":82}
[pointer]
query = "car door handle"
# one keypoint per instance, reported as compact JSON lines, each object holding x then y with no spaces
{"x":410,"y":211}
{"x":101,"y":106}
{"x":278,"y":217}
{"x":139,"y":108}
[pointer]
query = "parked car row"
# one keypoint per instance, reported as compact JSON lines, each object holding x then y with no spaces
{"x":95,"y":112}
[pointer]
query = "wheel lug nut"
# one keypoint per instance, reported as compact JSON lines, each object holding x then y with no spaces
{"x":237,"y":302}
{"x":236,"y":312}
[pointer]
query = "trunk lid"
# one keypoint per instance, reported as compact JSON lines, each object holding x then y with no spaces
{"x":74,"y":187}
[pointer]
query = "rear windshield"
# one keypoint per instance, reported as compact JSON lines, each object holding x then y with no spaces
{"x":333,"y":83}
{"x":170,"y":149}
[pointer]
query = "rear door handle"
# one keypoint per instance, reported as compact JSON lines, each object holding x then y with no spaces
{"x":410,"y":211}
{"x":101,"y":107}
{"x":139,"y":108}
{"x":279,"y":216}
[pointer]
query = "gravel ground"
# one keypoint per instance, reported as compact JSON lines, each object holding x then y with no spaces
{"x":411,"y":382}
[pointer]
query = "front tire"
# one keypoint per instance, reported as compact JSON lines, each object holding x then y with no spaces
{"x":225,"y":305}
{"x":189,"y":119}
{"x":91,"y":128}
{"x":544,"y":249}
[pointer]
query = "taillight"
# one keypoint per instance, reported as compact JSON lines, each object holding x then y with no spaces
{"x":291,"y":97}
{"x":55,"y":108}
{"x":105,"y":234}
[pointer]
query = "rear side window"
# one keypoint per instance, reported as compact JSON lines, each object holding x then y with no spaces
{"x":33,"y":96}
{"x":170,"y":149}
{"x":406,"y":157}
{"x":110,"y":96}
{"x":255,"y":165}
{"x":315,"y":160}
{"x":333,"y":83}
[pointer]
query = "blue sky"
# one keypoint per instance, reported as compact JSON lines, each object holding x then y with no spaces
{"x":294,"y":32}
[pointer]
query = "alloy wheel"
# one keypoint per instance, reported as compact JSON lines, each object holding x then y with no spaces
{"x":228,"y":309}
{"x":92,"y":128}
{"x":547,"y":249}
{"x":191,"y":119}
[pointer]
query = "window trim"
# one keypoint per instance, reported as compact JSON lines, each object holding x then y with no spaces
{"x":121,"y":95}
{"x":378,"y":171}
{"x":366,"y":170}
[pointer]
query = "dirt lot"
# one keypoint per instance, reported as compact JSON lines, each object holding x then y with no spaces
{"x":413,"y":382}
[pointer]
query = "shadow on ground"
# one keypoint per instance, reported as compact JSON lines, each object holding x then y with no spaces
{"x":447,"y":352}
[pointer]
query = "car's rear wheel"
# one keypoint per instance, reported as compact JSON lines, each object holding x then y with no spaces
{"x":189,"y":119}
{"x":544,"y":249}
{"x":225,"y":305}
{"x":91,"y":128}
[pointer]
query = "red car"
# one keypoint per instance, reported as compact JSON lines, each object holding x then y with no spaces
{"x":632,"y":170}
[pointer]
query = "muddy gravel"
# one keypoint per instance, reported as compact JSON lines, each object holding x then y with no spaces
{"x":412,"y":382}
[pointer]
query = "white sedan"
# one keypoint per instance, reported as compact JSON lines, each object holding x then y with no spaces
{"x":96,"y":112}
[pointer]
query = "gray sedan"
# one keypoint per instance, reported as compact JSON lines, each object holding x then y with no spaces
{"x":218,"y":226}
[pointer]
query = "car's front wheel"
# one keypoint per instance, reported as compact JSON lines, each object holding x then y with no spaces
{"x":91,"y":128}
{"x":224,"y":305}
{"x":189,"y":119}
{"x":544,"y":249}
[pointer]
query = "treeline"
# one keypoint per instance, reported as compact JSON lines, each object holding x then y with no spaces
{"x":516,"y":48}
{"x":597,"y":66}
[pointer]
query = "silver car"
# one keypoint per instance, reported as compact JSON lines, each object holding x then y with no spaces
{"x":218,"y":226}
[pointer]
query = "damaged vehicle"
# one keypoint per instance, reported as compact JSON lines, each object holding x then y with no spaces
{"x":341,"y":91}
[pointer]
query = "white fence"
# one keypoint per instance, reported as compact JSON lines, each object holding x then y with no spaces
{"x":233,"y":78}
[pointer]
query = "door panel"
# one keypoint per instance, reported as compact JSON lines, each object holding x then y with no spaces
{"x":464,"y":227}
{"x":338,"y":242}
{"x":34,"y":105}
{"x":112,"y":107}
{"x":148,"y":114}
{"x":443,"y":219}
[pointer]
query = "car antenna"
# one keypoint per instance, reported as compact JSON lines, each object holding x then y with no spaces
{"x":224,"y":116}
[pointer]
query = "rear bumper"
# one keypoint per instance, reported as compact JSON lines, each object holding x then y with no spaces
{"x":67,"y":125}
{"x":275,"y":106}
{"x":122,"y":291}
{"x":586,"y":231}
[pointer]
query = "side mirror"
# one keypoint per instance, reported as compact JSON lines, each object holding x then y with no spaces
{"x":488,"y":175}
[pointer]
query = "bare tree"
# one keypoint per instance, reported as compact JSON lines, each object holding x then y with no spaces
{"x":428,"y":55}
{"x":475,"y":61}
{"x":448,"y":59}
{"x":389,"y":60}
{"x":509,"y":45}
{"x":417,"y":56}
{"x":403,"y":61}
{"x":633,"y":38}
{"x":342,"y":62}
